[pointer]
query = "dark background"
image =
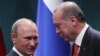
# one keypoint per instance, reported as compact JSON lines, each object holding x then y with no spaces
{"x":11,"y":10}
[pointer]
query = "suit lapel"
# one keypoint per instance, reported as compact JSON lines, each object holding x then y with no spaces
{"x":84,"y":44}
{"x":12,"y":53}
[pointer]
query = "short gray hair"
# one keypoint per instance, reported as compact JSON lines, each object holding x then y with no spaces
{"x":17,"y":23}
{"x":70,"y":8}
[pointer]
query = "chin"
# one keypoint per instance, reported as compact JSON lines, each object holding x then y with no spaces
{"x":66,"y":39}
{"x":30,"y":53}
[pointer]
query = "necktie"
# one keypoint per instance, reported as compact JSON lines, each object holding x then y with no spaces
{"x":75,"y":50}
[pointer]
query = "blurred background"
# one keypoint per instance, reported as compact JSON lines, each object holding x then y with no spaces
{"x":11,"y":10}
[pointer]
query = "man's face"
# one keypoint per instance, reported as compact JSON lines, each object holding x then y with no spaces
{"x":26,"y":39}
{"x":63,"y":27}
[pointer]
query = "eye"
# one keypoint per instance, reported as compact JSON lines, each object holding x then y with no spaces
{"x":57,"y":26}
{"x":28,"y":38}
{"x":35,"y":37}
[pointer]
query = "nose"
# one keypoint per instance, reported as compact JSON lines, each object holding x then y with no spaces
{"x":33,"y":42}
{"x":57,"y":30}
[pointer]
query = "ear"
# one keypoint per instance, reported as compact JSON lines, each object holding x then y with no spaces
{"x":13,"y":37}
{"x":74,"y":20}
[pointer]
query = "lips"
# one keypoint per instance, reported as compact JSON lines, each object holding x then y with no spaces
{"x":60,"y":34}
{"x":66,"y":39}
{"x":31,"y":49}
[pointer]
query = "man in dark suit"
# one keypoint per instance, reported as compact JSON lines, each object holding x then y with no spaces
{"x":24,"y":35}
{"x":71,"y":25}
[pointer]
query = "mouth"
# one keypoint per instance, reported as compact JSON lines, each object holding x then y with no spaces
{"x":66,"y":39}
{"x":60,"y":34}
{"x":31,"y":49}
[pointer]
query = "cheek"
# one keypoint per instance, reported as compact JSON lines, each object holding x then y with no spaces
{"x":64,"y":28}
{"x":24,"y":43}
{"x":36,"y":42}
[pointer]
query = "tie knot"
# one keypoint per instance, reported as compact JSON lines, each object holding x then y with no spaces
{"x":75,"y":45}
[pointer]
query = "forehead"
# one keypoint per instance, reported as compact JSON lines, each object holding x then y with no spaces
{"x":57,"y":16}
{"x":27,"y":28}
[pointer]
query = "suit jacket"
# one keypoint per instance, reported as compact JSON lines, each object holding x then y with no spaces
{"x":12,"y":53}
{"x":91,"y":43}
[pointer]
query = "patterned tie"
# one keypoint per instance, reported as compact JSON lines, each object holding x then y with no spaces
{"x":75,"y":50}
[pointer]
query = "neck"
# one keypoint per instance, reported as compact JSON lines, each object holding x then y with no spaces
{"x":78,"y":28}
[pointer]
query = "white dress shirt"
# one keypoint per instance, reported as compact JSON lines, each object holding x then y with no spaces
{"x":14,"y":49}
{"x":79,"y":38}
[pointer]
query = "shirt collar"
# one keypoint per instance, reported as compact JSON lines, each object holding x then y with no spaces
{"x":14,"y":49}
{"x":79,"y":38}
